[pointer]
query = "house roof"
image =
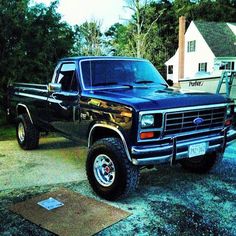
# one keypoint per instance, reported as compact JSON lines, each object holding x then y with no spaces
{"x":219,"y":37}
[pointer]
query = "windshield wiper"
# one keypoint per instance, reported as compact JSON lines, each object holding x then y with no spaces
{"x":149,"y":82}
{"x":105,"y":83}
{"x":113,"y":83}
{"x":127,"y":85}
{"x":164,"y":85}
{"x":144,"y":82}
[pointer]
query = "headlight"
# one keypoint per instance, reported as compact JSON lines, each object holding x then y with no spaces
{"x":147,"y":121}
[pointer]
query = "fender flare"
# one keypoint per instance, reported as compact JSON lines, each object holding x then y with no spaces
{"x":26,"y":108}
{"x":113,"y":128}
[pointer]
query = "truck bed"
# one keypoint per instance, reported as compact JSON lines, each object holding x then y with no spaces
{"x":25,"y":93}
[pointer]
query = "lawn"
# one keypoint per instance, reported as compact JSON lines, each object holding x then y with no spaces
{"x":7,"y":132}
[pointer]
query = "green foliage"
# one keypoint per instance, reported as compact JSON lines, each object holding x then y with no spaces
{"x":157,"y":35}
{"x":7,"y":132}
{"x":218,"y":10}
{"x":120,"y":40}
{"x":33,"y":38}
{"x":31,"y":41}
{"x":88,"y":39}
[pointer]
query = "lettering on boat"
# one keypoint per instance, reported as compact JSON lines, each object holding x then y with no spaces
{"x":196,"y":83}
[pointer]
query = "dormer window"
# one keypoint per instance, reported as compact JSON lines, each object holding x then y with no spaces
{"x":191,"y":46}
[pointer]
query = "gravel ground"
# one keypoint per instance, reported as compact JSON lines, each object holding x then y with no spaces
{"x":57,"y":160}
{"x":169,"y":201}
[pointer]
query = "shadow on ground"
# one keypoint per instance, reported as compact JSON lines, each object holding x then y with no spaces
{"x":57,"y":145}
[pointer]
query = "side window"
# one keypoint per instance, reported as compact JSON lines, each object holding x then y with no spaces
{"x":66,"y":76}
{"x":170,"y":69}
{"x":202,"y":67}
{"x":191,"y":46}
{"x":227,"y":65}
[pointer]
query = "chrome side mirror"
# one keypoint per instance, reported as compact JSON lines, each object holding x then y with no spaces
{"x":54,"y":87}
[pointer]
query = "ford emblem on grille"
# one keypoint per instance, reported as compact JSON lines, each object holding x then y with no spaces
{"x":198,"y":121}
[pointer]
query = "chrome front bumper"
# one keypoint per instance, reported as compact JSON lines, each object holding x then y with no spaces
{"x":176,"y":150}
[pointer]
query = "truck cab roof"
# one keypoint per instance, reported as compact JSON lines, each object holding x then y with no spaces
{"x":79,"y":58}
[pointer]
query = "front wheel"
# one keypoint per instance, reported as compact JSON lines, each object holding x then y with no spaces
{"x":27,"y":134}
{"x":109,"y":171}
{"x":202,"y":164}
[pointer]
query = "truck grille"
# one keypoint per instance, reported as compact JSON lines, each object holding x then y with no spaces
{"x":180,"y":122}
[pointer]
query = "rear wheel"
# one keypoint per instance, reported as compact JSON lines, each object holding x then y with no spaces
{"x":202,"y":164}
{"x":27,"y":134}
{"x":109,"y":171}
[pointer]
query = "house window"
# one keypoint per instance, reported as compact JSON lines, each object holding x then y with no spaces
{"x":192,"y":46}
{"x":170,"y":70}
{"x":202,"y":67}
{"x":227,"y":65}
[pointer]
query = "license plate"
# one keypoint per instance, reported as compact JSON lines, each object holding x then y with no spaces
{"x":198,"y":149}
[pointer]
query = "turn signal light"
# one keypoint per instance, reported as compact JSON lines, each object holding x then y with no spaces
{"x":228,"y":122}
{"x":147,"y":135}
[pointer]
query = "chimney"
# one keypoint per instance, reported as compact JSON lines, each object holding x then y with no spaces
{"x":182,"y":23}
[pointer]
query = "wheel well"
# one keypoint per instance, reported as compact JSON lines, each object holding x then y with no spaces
{"x":101,"y":132}
{"x":21,"y":110}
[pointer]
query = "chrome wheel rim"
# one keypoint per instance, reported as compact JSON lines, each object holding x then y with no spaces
{"x":104,"y":170}
{"x":21,"y":132}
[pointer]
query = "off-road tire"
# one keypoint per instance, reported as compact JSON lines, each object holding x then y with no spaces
{"x":31,"y":134}
{"x":202,"y":164}
{"x":126,"y":174}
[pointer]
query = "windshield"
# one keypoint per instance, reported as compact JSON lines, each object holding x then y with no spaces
{"x":102,"y":73}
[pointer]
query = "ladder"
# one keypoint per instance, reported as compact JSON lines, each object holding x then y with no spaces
{"x":228,"y":78}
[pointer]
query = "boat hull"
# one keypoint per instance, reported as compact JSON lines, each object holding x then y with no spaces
{"x":201,"y":84}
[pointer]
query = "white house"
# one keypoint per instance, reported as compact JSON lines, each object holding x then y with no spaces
{"x":209,"y":48}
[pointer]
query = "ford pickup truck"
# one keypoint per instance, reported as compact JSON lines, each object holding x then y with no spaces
{"x":129,"y":116}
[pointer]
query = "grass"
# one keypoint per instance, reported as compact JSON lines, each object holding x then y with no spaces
{"x":7,"y":132}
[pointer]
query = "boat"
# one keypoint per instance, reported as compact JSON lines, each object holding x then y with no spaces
{"x":224,"y":84}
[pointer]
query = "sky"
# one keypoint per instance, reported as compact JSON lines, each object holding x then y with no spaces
{"x":107,"y":12}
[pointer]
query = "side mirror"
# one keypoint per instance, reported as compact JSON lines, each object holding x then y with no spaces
{"x":54,"y":87}
{"x":170,"y":82}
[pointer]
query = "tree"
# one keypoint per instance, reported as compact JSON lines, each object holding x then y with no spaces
{"x":120,"y":41}
{"x":139,"y":8}
{"x":157,"y":35}
{"x":32,"y":39}
{"x":12,"y":24}
{"x":152,"y":32}
{"x":218,"y":10}
{"x":88,"y":39}
{"x":46,"y":40}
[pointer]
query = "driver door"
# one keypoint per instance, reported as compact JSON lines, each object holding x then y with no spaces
{"x":63,"y":106}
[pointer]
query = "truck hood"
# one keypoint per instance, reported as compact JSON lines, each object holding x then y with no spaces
{"x":158,"y":98}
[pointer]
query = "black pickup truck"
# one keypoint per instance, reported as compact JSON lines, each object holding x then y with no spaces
{"x":129,"y":117}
